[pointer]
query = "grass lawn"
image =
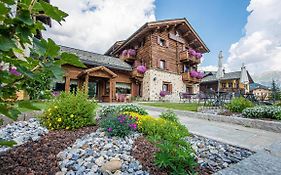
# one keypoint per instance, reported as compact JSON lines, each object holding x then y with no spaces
{"x":177,"y":106}
{"x":39,"y":104}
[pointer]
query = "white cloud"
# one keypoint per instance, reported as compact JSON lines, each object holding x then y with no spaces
{"x":260,"y":48}
{"x":95,"y":25}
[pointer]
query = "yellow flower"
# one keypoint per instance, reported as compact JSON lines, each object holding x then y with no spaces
{"x":50,"y":114}
{"x":67,"y":128}
{"x":50,"y":124}
{"x":59,"y":119}
{"x":71,"y":116}
{"x":56,"y":107}
{"x":49,"y":109}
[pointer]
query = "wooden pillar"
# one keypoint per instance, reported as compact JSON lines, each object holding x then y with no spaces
{"x":86,"y":83}
{"x":110,"y":90}
{"x":113,"y":89}
{"x":67,"y":84}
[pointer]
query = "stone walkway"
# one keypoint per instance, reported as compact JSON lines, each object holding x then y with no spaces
{"x":266,"y":161}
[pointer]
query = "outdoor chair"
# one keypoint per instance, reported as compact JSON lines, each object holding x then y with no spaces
{"x":201,"y":96}
{"x":185,"y":96}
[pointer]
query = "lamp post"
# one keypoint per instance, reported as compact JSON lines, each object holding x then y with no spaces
{"x":220,"y":72}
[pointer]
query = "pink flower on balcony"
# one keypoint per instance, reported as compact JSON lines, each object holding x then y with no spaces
{"x":141,"y":69}
{"x":191,"y":52}
{"x":131,"y":52}
{"x":124,"y":53}
{"x":14,"y":72}
{"x":198,"y":55}
{"x":200,"y":75}
{"x":193,"y":74}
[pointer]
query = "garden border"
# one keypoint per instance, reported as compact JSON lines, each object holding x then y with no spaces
{"x":247,"y":122}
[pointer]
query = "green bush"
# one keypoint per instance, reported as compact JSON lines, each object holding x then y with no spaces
{"x":120,"y":126}
{"x":69,"y":111}
{"x":278,"y":104}
{"x":272,"y":112}
{"x":1,"y":121}
{"x":239,"y":104}
{"x":175,"y":154}
{"x":169,"y":115}
{"x":177,"y":158}
{"x":107,"y":111}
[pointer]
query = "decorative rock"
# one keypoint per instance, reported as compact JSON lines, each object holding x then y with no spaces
{"x":112,"y":166}
{"x":100,"y":161}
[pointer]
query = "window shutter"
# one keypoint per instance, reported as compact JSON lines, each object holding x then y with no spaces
{"x":170,"y":88}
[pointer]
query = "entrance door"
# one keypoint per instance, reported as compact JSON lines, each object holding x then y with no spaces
{"x":93,"y":90}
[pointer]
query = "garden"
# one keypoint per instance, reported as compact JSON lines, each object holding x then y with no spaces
{"x":83,"y":138}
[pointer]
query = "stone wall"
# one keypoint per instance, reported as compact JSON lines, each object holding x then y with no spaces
{"x":152,"y":85}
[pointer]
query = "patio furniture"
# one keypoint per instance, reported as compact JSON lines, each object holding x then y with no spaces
{"x":186,"y":96}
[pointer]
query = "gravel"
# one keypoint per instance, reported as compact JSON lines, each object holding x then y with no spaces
{"x":214,"y":156}
{"x":97,"y":153}
{"x":22,"y":132}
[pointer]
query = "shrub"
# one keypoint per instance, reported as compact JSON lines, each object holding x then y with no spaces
{"x":107,"y":111}
{"x":69,"y":111}
{"x":169,"y":115}
{"x":272,"y":112}
{"x":119,"y":126}
{"x":239,"y":104}
{"x":1,"y":121}
{"x":175,"y":155}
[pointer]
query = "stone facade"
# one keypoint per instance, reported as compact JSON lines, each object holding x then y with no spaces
{"x":153,"y":81}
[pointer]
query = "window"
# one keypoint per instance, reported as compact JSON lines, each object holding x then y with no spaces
{"x":167,"y":86}
{"x":185,"y":68}
{"x":162,"y":64}
{"x":123,"y":88}
{"x":162,"y":42}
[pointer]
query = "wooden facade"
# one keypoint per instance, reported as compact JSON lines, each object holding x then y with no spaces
{"x":160,"y":45}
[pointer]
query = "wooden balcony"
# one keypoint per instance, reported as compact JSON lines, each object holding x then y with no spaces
{"x":185,"y":57}
{"x":136,"y":74}
{"x":188,"y":79}
{"x":128,"y":58}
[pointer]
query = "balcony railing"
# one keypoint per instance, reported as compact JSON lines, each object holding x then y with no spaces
{"x":136,"y":74}
{"x":188,"y":79}
{"x":186,"y":57}
{"x":128,"y":58}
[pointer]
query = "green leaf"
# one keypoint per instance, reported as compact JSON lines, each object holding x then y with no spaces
{"x":52,"y":48}
{"x":8,"y":143}
{"x":57,"y":71}
{"x":27,"y":105}
{"x":25,"y":17}
{"x":68,"y":58}
{"x":39,"y":46}
{"x":10,"y":2}
{"x":6,"y":43}
{"x":53,"y":12}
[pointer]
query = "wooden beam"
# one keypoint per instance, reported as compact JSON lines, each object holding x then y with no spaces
{"x":110,"y":90}
{"x":186,"y":34}
{"x":86,"y":83}
{"x":67,"y":84}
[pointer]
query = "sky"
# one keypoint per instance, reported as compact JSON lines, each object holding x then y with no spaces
{"x":247,"y":31}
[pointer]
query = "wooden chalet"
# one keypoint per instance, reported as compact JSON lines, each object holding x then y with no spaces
{"x":163,"y":48}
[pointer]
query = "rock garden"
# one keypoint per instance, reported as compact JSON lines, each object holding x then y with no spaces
{"x":82,"y":138}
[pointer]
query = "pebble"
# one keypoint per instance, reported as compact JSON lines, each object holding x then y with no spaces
{"x":97,"y":153}
{"x":216,"y":155}
{"x":22,"y":132}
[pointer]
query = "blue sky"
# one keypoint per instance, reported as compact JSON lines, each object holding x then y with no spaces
{"x":219,"y":23}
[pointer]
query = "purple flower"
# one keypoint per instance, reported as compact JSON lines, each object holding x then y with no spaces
{"x":124,"y":53}
{"x":193,"y":74}
{"x":163,"y":93}
{"x":200,"y":75}
{"x":131,"y":52}
{"x":56,"y":93}
{"x":14,"y":72}
{"x":109,"y":129}
{"x":191,"y":52}
{"x":198,"y":55}
{"x":141,"y":69}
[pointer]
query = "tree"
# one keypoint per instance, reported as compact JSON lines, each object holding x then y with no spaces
{"x":22,"y":54}
{"x":275,"y":91}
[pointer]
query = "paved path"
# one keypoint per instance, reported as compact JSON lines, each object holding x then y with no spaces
{"x":267,"y":160}
{"x":251,"y":138}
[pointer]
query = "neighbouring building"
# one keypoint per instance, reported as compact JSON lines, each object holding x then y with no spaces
{"x":260,"y":91}
{"x":160,"y":56}
{"x":229,"y":83}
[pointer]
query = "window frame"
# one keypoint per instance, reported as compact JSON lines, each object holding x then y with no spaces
{"x":164,"y":64}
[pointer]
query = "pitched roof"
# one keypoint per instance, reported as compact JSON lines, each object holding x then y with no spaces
{"x":95,"y":59}
{"x":155,"y":24}
{"x":254,"y":86}
{"x":211,"y":76}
